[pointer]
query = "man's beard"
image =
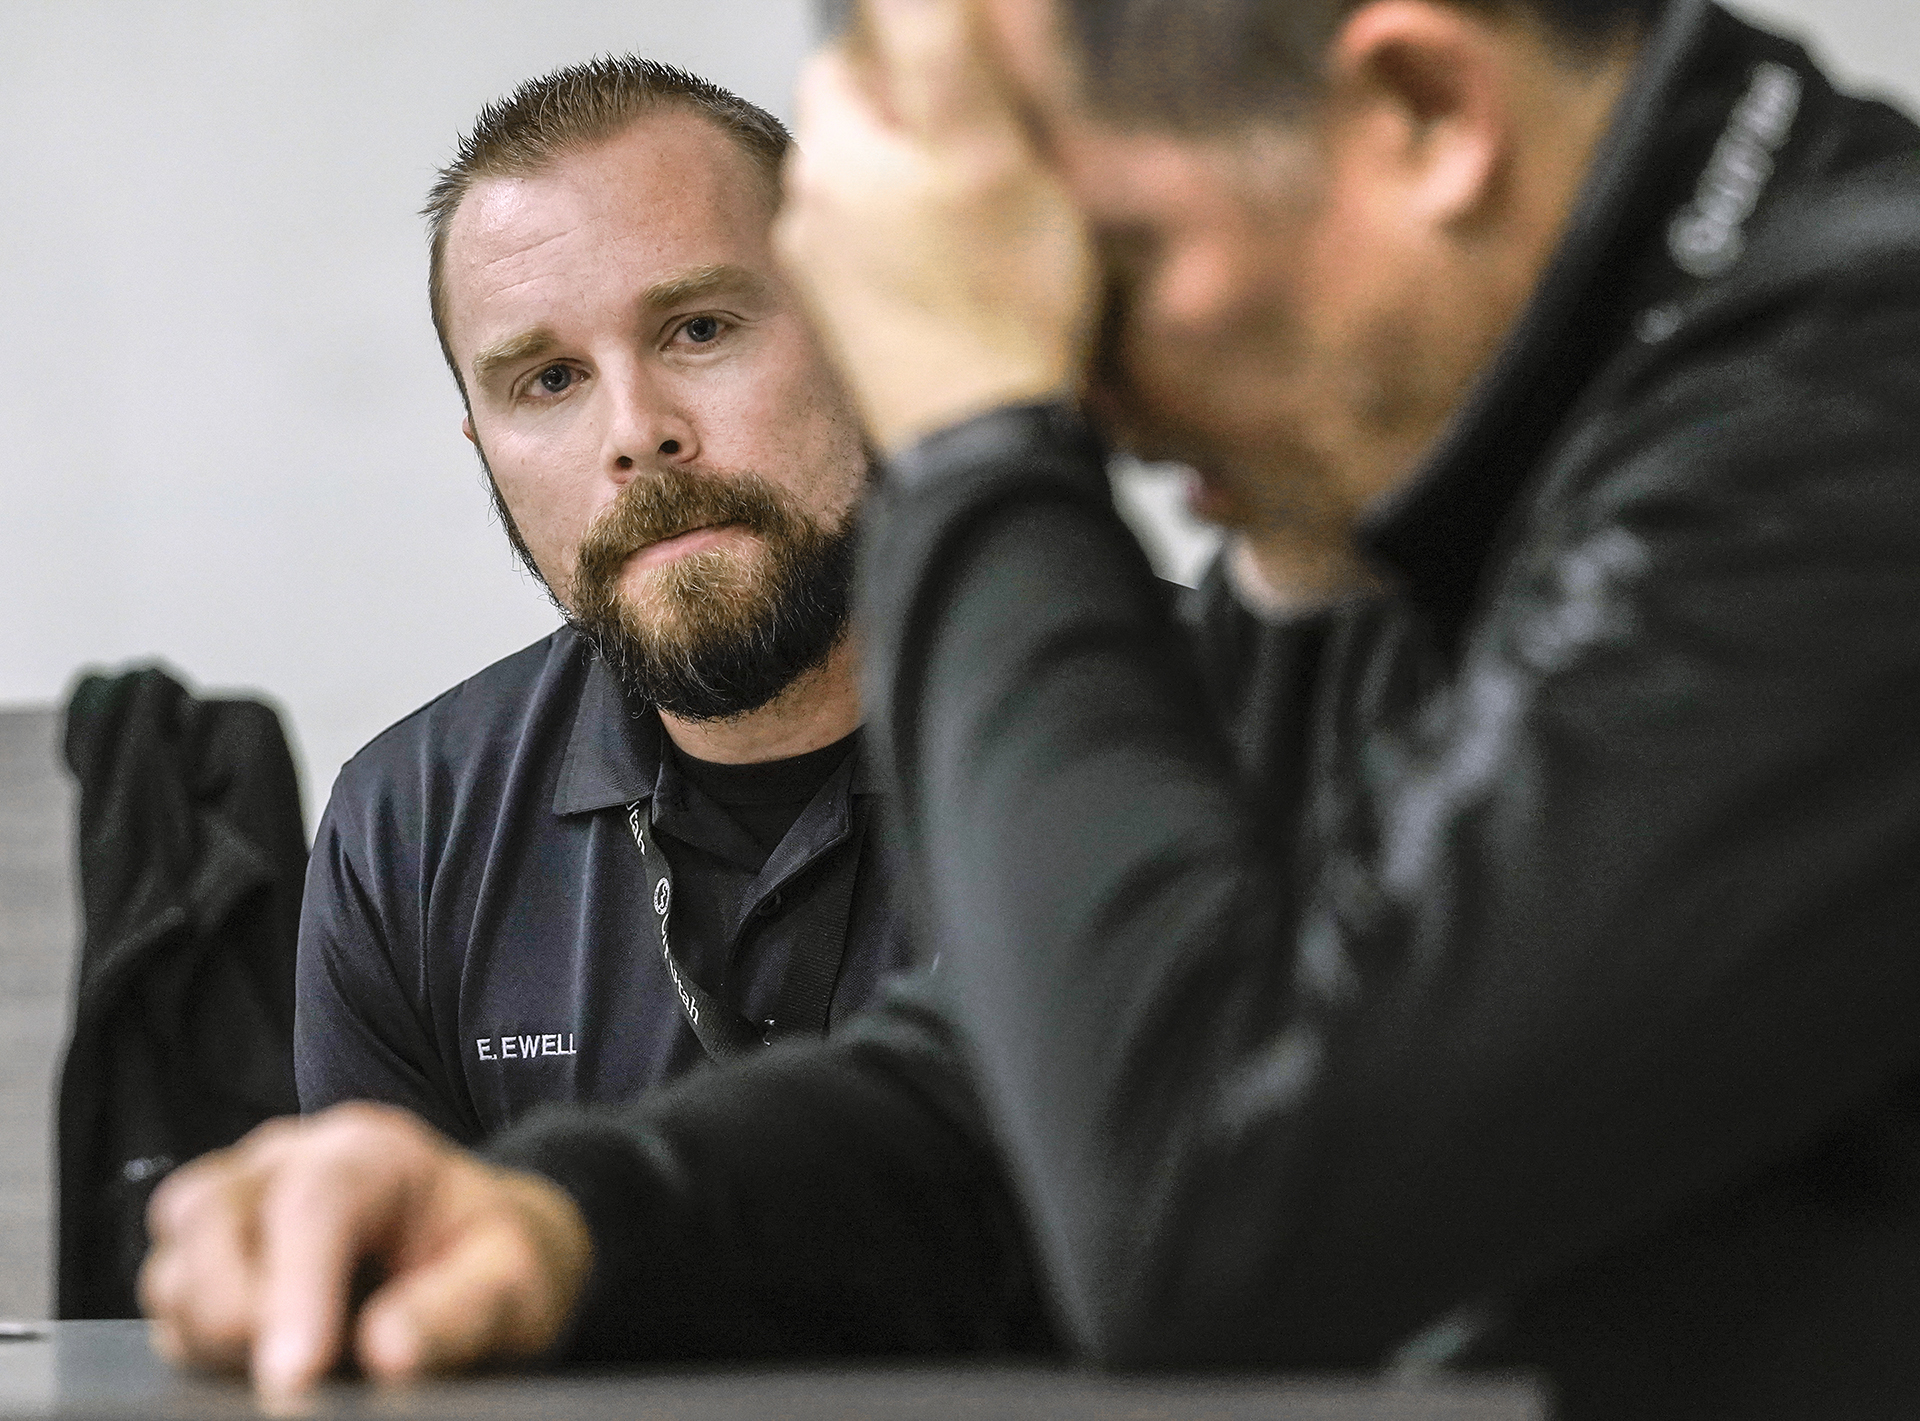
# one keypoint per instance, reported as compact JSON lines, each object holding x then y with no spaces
{"x":718,"y":633}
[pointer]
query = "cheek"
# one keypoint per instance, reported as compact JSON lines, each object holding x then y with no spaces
{"x":790,"y":422}
{"x":1205,"y":357}
{"x":551,"y":509}
{"x":836,"y":454}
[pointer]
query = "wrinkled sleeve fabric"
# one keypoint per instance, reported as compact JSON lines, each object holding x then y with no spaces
{"x":360,"y":1030}
{"x":830,"y":1199}
{"x":1621,"y":911}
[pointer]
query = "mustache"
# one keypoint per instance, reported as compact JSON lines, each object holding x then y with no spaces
{"x":675,"y":501}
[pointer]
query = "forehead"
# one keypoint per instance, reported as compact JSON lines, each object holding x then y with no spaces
{"x":1137,"y":178}
{"x":669,"y":192}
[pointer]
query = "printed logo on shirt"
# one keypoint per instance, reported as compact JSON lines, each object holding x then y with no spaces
{"x":1706,"y":236}
{"x":526,"y":1048}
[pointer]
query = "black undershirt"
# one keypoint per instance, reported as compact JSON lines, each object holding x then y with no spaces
{"x":723,"y":825}
{"x":765,"y":798}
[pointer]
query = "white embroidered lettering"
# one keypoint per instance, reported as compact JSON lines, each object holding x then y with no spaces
{"x":686,"y":997}
{"x":1706,"y":237}
{"x":527,"y":1048}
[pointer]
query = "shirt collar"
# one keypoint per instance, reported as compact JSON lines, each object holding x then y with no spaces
{"x":614,"y":753}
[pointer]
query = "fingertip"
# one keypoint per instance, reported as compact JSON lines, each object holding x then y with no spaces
{"x":153,"y":1285}
{"x":389,"y":1344}
{"x":292,"y":1403}
{"x":914,"y":31}
{"x":165,"y":1342}
{"x":285,"y":1366}
{"x":168,"y":1202}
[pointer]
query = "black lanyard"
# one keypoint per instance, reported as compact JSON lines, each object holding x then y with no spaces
{"x":801,"y":1008}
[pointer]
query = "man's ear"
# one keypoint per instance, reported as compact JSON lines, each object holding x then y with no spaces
{"x":1428,"y":88}
{"x":466,"y":428}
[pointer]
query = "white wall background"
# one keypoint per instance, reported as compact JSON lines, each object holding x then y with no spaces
{"x":226,"y":437}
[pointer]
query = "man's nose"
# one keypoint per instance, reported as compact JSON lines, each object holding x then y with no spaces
{"x":646,"y":427}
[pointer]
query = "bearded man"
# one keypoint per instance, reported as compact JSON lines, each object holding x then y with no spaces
{"x":645,"y":840}
{"x":1524,"y":975}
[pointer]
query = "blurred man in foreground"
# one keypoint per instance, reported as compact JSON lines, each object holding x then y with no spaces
{"x":1527,"y":978}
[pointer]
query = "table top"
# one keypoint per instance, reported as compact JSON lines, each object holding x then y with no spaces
{"x":104,"y":1370}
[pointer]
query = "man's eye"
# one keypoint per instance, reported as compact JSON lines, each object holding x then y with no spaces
{"x":701,"y":329}
{"x":555,"y":379}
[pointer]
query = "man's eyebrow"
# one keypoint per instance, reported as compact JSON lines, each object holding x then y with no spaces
{"x":695,"y":284}
{"x":700,"y":282}
{"x":526,"y":345}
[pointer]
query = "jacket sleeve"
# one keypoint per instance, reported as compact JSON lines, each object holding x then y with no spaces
{"x":1619,"y":912}
{"x":359,"y":1021}
{"x":835,"y":1198}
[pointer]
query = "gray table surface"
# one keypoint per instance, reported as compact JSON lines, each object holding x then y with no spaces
{"x":104,"y":1370}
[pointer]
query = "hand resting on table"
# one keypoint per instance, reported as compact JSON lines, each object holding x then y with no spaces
{"x":256,"y":1251}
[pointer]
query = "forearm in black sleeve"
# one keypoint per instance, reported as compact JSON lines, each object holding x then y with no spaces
{"x":832,"y":1199}
{"x":1632,"y":923}
{"x":1101,"y":896}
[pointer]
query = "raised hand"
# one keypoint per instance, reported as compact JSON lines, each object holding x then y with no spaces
{"x":945,"y":265}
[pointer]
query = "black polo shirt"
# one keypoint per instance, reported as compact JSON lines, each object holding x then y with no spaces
{"x":476,"y":940}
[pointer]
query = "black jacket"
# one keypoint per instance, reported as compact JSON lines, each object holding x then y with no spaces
{"x":1530,"y":978}
{"x":192,"y":851}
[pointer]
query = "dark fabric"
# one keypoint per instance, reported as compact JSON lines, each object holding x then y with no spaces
{"x":717,"y":1234}
{"x":721,"y":825}
{"x":765,"y":798}
{"x":476,"y":938}
{"x":191,"y":852}
{"x":1516,"y":968}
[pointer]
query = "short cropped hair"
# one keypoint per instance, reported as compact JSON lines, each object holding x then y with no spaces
{"x":573,"y":108}
{"x":1205,"y":66}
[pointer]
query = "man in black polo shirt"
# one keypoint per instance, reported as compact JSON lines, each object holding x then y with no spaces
{"x":1526,"y":975}
{"x":497,"y":876}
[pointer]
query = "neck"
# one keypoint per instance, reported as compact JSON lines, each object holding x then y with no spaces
{"x":1489,"y":272}
{"x":820,"y":707}
{"x":1281,"y":578}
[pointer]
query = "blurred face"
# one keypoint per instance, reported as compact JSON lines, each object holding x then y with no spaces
{"x":1288,"y":312}
{"x":678,"y":460}
{"x":1217,"y":351}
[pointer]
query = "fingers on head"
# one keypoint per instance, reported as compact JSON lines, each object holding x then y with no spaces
{"x":937,"y":77}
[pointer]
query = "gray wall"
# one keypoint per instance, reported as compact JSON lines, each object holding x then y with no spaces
{"x":225,"y":435}
{"x":36,"y":955}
